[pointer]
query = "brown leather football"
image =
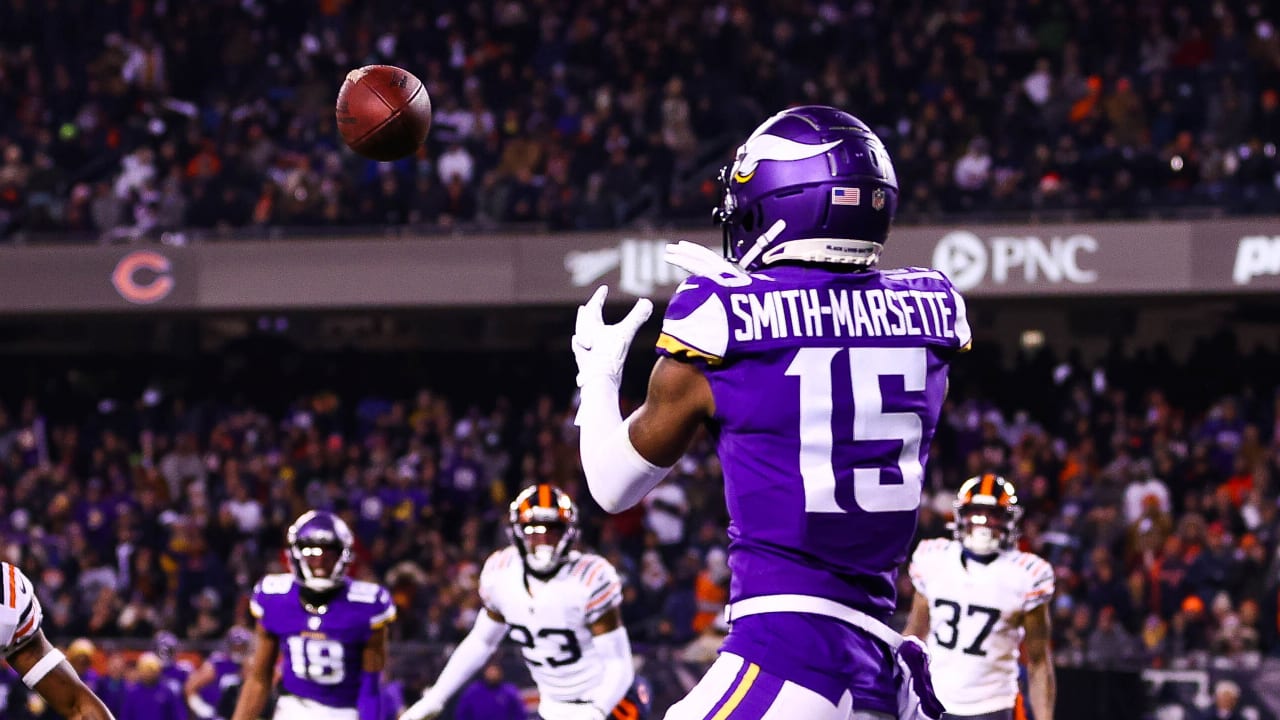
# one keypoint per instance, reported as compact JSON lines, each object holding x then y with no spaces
{"x":383,"y":112}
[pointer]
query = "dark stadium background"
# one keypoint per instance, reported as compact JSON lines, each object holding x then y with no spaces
{"x":203,"y":132}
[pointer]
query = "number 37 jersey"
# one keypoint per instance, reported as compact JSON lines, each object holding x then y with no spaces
{"x":975,"y":621}
{"x":827,"y":386}
{"x":549,"y":618}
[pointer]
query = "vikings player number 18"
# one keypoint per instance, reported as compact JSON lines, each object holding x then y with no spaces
{"x":868,"y":367}
{"x":319,"y":661}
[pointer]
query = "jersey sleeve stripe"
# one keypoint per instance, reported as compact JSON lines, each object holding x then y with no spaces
{"x":22,"y":631}
{"x":604,"y":589}
{"x":12,"y":585}
{"x":604,"y":599}
{"x":677,"y":347}
{"x":595,"y":570}
{"x":383,"y":619}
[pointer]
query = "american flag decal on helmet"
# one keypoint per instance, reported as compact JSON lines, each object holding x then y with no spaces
{"x":846,"y":196}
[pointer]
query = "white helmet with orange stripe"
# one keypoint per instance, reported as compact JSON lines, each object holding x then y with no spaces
{"x":987,"y":515}
{"x":544,"y":525}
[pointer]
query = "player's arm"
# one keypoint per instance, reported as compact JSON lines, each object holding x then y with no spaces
{"x":196,"y":682}
{"x":258,"y":673}
{"x":618,"y":671}
{"x":44,"y":669}
{"x":1041,"y":684}
{"x":918,"y":618}
{"x":373,"y":660}
{"x":471,"y":655}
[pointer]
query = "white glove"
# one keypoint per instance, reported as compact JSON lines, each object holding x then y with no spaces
{"x":425,"y":709}
{"x":702,"y":260}
{"x":555,"y":710}
{"x":601,"y":349}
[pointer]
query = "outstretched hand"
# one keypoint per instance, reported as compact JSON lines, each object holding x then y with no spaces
{"x":601,"y":349}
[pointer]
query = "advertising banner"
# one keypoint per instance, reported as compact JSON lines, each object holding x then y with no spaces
{"x":1076,"y":260}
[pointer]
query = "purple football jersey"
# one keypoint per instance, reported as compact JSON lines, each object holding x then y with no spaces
{"x":226,"y":673}
{"x":322,"y":653}
{"x":827,"y":388}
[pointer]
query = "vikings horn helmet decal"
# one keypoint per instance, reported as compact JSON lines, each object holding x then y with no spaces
{"x":811,"y":184}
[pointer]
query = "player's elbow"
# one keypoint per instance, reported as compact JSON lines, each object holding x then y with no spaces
{"x":1038,"y":658}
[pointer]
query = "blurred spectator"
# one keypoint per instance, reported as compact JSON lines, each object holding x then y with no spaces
{"x":1226,"y":698}
{"x":149,"y":698}
{"x":1080,"y":119}
{"x":490,"y":697}
{"x":1110,"y":645}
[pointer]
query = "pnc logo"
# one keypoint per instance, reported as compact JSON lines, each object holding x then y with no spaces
{"x":969,"y":260}
{"x":143,"y":277}
{"x":961,"y":256}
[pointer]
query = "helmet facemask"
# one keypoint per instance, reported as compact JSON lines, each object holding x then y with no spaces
{"x":543,"y":526}
{"x":986,"y":530}
{"x":320,"y":566}
{"x":320,"y":551}
{"x":543,"y":545}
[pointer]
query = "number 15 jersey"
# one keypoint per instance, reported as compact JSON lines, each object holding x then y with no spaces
{"x":827,"y":386}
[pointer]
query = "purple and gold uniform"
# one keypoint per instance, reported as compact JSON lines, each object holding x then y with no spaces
{"x":828,"y":377}
{"x":322,"y":650}
{"x":828,"y":388}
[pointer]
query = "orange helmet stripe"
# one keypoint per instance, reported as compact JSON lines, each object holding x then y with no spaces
{"x":544,"y":495}
{"x":988,"y":484}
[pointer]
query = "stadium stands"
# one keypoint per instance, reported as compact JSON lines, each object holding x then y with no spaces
{"x":130,"y":119}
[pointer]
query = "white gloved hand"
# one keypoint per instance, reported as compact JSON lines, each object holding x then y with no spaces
{"x":702,"y":260}
{"x":601,"y":349}
{"x":426,"y":708}
{"x":555,"y":710}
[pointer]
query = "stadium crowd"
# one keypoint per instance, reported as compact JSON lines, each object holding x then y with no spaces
{"x":1153,"y":498}
{"x":124,"y":119}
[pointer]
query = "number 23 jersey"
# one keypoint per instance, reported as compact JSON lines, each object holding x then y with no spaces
{"x":975,"y":621}
{"x":323,"y":654}
{"x":549,"y":619}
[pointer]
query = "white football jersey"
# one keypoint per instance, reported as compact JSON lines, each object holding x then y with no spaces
{"x":549,"y":618}
{"x":20,"y":613}
{"x":975,"y":618}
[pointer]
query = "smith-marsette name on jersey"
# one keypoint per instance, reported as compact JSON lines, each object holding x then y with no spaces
{"x":845,"y":313}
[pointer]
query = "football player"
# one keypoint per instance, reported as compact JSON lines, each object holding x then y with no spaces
{"x":332,"y":631}
{"x":821,"y":378}
{"x":218,"y":672}
{"x":43,"y":668}
{"x":561,"y":607}
{"x":977,"y":599}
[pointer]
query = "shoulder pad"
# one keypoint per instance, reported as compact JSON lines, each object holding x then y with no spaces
{"x":378,"y":600}
{"x":932,"y":545}
{"x":1040,"y":579}
{"x":267,"y":590}
{"x":696,"y":325}
{"x":20,"y":611}
{"x":499,"y":562}
{"x":601,"y":583}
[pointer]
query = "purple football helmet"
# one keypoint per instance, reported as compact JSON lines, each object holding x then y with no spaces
{"x":320,"y":550}
{"x":811,"y":184}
